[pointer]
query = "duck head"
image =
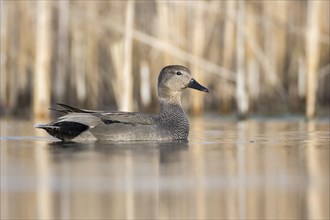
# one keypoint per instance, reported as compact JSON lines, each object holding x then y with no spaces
{"x":175,"y":78}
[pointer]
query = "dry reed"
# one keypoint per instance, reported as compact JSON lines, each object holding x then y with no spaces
{"x":96,"y":54}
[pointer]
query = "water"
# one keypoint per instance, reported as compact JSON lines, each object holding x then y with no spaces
{"x":256,"y":169}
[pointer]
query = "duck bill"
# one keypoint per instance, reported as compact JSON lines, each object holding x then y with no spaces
{"x":195,"y":85}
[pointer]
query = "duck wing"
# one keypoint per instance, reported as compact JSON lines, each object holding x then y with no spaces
{"x":86,"y":116}
{"x":132,"y":118}
{"x":125,"y":126}
{"x":76,"y":121}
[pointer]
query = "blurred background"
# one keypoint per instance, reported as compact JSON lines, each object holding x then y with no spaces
{"x":256,"y":57}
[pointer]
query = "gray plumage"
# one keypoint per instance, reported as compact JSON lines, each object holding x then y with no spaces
{"x":170,"y":124}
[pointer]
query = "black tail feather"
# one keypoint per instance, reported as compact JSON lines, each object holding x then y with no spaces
{"x":65,"y":130}
{"x":72,"y":109}
{"x":60,"y":110}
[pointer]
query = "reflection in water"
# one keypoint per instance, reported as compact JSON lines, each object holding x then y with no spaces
{"x":44,"y":195}
{"x":255,"y":169}
{"x":241,"y":168}
{"x":316,"y":187}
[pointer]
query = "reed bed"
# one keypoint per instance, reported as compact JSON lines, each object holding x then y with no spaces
{"x":257,"y":57}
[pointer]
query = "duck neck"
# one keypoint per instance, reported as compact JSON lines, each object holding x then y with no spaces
{"x":173,"y":119}
{"x":170,"y":104}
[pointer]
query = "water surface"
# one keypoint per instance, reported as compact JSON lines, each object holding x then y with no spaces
{"x":255,"y":169}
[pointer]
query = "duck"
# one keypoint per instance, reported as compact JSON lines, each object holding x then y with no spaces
{"x":171,"y":123}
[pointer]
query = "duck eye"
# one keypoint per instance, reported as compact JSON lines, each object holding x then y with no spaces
{"x":178,"y":73}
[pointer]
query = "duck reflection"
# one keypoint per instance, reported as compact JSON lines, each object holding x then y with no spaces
{"x":168,"y":151}
{"x":120,"y":179}
{"x":59,"y":147}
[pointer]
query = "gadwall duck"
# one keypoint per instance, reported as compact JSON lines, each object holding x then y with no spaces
{"x":170,"y":124}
